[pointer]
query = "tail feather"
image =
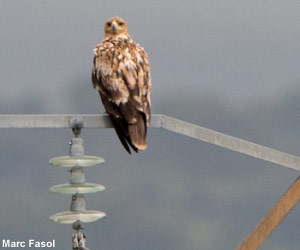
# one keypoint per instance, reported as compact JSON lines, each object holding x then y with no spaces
{"x":120,"y":127}
{"x":138,"y":132}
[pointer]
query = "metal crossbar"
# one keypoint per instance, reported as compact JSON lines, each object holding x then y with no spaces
{"x":62,"y":120}
{"x":157,"y":121}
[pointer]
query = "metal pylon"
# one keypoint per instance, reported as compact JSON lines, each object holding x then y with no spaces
{"x":77,"y":121}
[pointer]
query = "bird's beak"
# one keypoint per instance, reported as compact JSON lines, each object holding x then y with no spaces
{"x":114,"y":25}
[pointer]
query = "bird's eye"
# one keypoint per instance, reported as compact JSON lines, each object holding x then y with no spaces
{"x":108,"y":24}
{"x":120,"y":23}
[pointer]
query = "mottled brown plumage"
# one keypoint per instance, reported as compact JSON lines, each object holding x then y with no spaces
{"x":121,"y":73}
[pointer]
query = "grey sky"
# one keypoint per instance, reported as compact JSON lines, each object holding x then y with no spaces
{"x":232,"y":66}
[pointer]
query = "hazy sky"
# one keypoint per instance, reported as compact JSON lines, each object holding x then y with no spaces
{"x":231,"y":66}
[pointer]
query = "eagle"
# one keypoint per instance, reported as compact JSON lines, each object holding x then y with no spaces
{"x":121,"y":74}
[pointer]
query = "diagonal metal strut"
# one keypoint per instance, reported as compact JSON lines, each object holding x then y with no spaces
{"x":273,"y":218}
{"x":157,"y":121}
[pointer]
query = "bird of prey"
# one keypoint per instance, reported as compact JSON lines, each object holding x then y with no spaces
{"x":121,"y":74}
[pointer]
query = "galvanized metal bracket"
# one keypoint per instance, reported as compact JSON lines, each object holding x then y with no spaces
{"x":78,"y":238}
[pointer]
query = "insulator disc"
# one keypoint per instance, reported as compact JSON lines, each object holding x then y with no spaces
{"x":83,"y":188}
{"x":69,"y":217}
{"x":76,"y":161}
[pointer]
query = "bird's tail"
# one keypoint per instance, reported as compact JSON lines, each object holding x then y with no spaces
{"x":120,"y":128}
{"x":138,"y":133}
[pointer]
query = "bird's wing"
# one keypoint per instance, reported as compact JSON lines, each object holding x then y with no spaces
{"x":122,"y":75}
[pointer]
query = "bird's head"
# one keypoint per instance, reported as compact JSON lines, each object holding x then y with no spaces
{"x":115,"y":26}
